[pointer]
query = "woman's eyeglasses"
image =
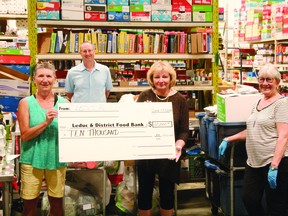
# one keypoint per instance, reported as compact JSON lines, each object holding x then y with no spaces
{"x":268,"y":80}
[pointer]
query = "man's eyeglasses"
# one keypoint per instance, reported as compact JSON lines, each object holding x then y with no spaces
{"x":268,"y":80}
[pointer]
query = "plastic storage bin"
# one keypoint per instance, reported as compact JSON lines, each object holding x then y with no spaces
{"x":225,"y":199}
{"x":202,"y":132}
{"x":224,"y":129}
{"x":211,"y":137}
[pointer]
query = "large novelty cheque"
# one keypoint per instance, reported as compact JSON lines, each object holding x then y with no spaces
{"x":115,"y":131}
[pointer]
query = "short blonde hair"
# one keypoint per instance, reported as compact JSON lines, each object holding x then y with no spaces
{"x":46,"y":65}
{"x":158,"y":67}
{"x":270,"y":70}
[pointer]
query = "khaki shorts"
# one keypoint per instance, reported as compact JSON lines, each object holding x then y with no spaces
{"x":31,"y":181}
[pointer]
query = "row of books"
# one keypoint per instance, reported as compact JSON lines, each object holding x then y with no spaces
{"x":125,"y":42}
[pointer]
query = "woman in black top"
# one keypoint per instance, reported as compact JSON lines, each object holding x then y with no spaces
{"x":162,"y":77}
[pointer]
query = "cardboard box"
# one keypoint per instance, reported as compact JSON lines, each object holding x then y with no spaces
{"x":72,"y":15}
{"x":140,"y":2}
{"x":161,"y":16}
{"x":140,"y":8}
{"x":17,"y":88}
{"x":95,"y":2}
{"x":235,"y":107}
{"x":14,"y":59}
{"x":118,"y":16}
{"x":10,"y":103}
{"x":48,"y":5}
{"x":96,"y":16}
{"x":48,"y":15}
{"x":181,"y":16}
{"x":118,"y":2}
{"x":95,"y":8}
{"x":118,"y":8}
{"x":25,"y":69}
{"x":140,"y":16}
{"x":72,"y":5}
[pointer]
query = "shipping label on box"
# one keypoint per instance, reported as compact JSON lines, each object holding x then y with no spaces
{"x":96,"y":16}
{"x":235,"y":107}
{"x":118,"y":16}
{"x":17,"y":88}
{"x":48,"y":15}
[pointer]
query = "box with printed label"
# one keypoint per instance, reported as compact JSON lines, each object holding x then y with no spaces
{"x":7,"y":51}
{"x":161,"y":16}
{"x":48,"y":5}
{"x":9,"y":103}
{"x":202,"y":17}
{"x":14,"y":59}
{"x":202,"y":8}
{"x":95,"y":8}
{"x":48,"y":15}
{"x":162,"y":2}
{"x":72,"y":15}
{"x":140,"y":16}
{"x":118,"y":2}
{"x":96,"y":16}
{"x":95,"y":1}
{"x":17,"y":88}
{"x":157,"y":7}
{"x":140,"y":8}
{"x":181,"y":17}
{"x":228,"y":106}
{"x":25,"y":69}
{"x":72,"y":5}
{"x":140,"y":2}
{"x":118,"y":8}
{"x":182,"y":2}
{"x":181,"y":8}
{"x":202,"y":2}
{"x":118,"y":16}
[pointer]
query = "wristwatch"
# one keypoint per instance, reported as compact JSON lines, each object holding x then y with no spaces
{"x":274,"y":167}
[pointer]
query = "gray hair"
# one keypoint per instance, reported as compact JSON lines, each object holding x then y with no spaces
{"x":46,"y":65}
{"x":270,"y":70}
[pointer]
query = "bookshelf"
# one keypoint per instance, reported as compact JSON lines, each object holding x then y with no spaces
{"x":171,"y":26}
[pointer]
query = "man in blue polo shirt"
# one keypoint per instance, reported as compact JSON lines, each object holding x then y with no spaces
{"x":88,"y":82}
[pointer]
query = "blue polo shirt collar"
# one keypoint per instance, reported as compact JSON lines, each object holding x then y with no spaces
{"x":96,"y":67}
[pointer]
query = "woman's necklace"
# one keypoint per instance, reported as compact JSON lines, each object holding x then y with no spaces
{"x":162,"y":99}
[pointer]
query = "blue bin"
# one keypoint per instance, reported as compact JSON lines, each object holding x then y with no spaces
{"x":211,"y":137}
{"x":202,"y":132}
{"x":225,"y":199}
{"x":224,"y":129}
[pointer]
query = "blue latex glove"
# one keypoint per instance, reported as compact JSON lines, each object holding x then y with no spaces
{"x":222,"y":148}
{"x":272,"y":178}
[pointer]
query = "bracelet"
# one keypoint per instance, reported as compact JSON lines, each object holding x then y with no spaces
{"x":274,"y":167}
